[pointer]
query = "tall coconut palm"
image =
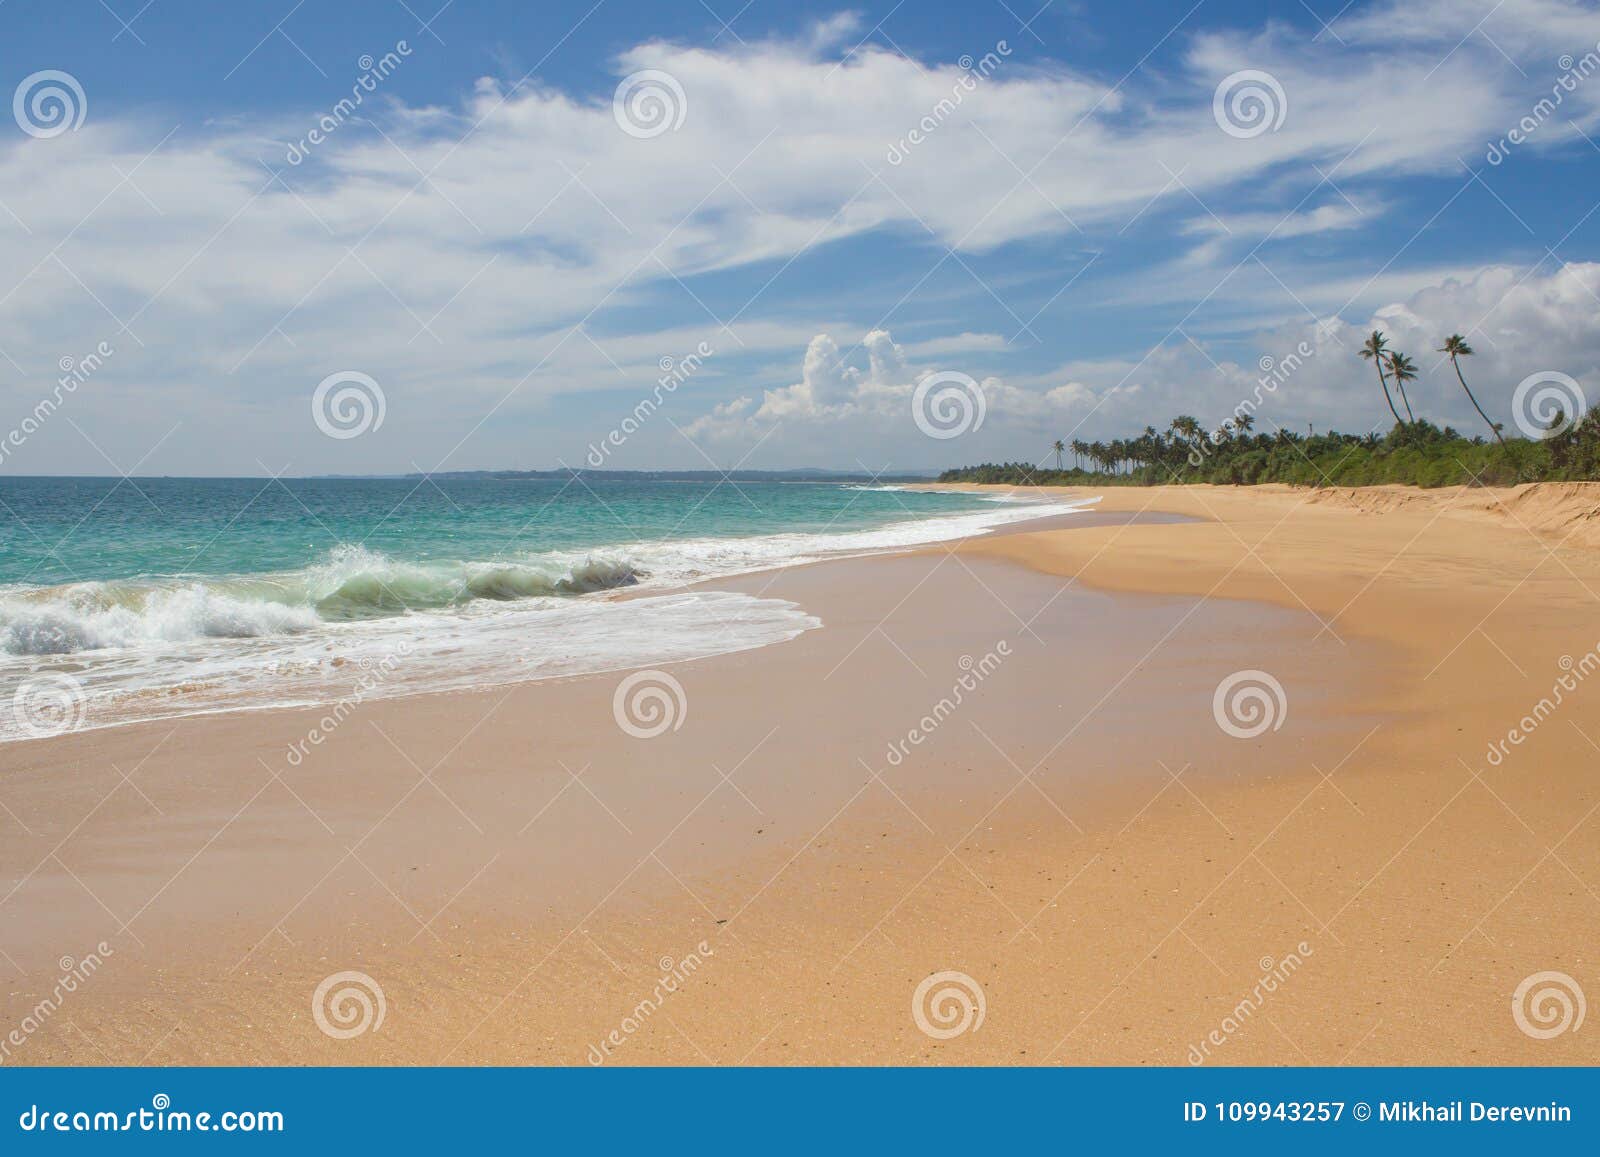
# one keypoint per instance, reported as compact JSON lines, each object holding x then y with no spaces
{"x":1060,"y":448}
{"x":1403,"y":370}
{"x":1373,"y":349}
{"x":1456,"y":346}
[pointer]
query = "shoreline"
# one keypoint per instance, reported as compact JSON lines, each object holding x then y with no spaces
{"x":1098,"y":939}
{"x":556,"y":634}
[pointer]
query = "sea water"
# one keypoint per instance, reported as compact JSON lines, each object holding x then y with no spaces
{"x":160,"y":597}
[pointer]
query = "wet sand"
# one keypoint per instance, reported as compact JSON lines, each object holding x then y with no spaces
{"x":1077,"y":835}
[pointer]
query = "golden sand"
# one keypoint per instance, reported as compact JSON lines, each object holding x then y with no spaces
{"x":1120,"y":880}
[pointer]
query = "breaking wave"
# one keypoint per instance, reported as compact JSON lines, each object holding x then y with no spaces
{"x":352,"y":583}
{"x":166,"y":646}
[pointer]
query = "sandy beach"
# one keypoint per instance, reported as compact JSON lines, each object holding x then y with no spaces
{"x":1366,"y":877}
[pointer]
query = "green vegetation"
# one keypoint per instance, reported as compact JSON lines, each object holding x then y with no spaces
{"x":1415,"y":451}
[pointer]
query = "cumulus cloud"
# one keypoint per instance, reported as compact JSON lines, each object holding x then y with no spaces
{"x":1519,"y":321}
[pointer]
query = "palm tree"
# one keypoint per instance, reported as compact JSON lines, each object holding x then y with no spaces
{"x":1374,"y":350}
{"x":1187,"y":428}
{"x":1403,"y":371}
{"x":1059,"y":447}
{"x":1456,"y":346}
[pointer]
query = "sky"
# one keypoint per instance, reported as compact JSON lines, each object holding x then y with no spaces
{"x":384,"y":236}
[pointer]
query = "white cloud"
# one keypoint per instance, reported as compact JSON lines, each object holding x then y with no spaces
{"x":453,"y":254}
{"x":1518,"y":321}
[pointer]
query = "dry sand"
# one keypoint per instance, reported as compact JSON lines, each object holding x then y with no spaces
{"x":1078,"y":836}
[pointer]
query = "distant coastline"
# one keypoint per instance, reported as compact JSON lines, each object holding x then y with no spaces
{"x":801,"y":474}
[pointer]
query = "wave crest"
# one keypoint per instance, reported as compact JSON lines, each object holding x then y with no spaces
{"x":353,"y":583}
{"x":94,"y":616}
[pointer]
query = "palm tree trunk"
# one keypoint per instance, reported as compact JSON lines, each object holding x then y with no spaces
{"x":1384,"y":382}
{"x":1495,"y":429}
{"x":1401,"y":386}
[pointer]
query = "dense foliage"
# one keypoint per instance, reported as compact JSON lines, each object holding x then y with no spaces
{"x":1415,"y":451}
{"x":1418,"y":453}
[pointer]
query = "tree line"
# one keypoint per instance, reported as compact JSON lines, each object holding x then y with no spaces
{"x":1415,"y":450}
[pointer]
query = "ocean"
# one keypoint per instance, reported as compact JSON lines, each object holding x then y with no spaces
{"x":126,"y":600}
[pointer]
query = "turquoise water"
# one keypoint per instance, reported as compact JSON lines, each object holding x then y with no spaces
{"x":156,"y":597}
{"x":63,"y":530}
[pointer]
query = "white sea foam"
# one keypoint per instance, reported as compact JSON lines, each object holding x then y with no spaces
{"x":158,"y":648}
{"x":422,"y":653}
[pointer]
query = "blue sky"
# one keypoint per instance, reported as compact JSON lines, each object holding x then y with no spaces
{"x":489,"y":244}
